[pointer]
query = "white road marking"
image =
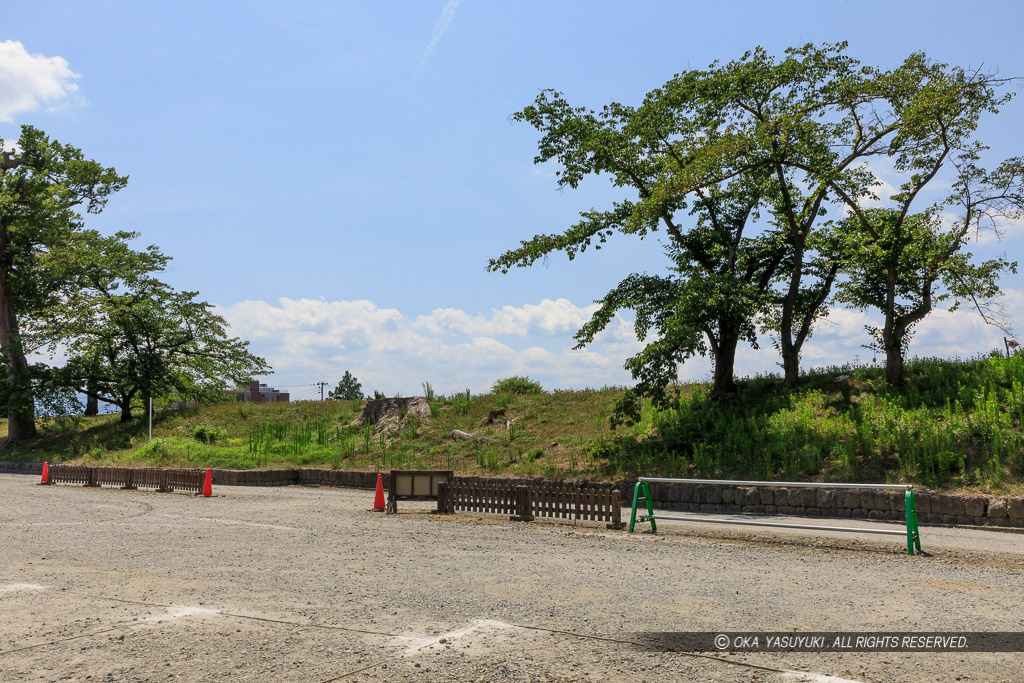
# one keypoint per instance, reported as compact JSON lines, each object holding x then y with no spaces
{"x":11,"y":587}
{"x":807,"y":677}
{"x":237,"y":522}
{"x":172,"y":613}
{"x":478,"y":627}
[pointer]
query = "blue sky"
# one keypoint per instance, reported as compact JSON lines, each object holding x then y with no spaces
{"x":335,"y":175}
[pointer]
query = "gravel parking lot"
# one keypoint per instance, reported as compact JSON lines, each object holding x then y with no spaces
{"x":305,"y":584}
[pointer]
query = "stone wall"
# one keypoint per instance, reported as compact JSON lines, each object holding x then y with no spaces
{"x":932,"y":507}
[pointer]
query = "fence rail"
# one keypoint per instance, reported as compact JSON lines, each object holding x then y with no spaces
{"x":524,"y":503}
{"x":164,"y":480}
{"x":642,"y":494}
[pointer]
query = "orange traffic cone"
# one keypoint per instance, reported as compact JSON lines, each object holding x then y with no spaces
{"x":46,"y":473}
{"x":378,"y":501}
{"x":208,"y":484}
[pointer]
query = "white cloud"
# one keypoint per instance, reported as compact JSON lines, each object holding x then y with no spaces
{"x":549,"y":318}
{"x":30,"y":81}
{"x":440,"y":27}
{"x":308,"y":340}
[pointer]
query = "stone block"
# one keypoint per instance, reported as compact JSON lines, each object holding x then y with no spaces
{"x":923,"y":501}
{"x":686,"y":493}
{"x":699,"y":493}
{"x":875,"y":514}
{"x":949,"y":519}
{"x":728,"y":495}
{"x":859,"y":513}
{"x":851,"y":499}
{"x":781,"y":496}
{"x":767,"y":495}
{"x":808,"y":498}
{"x":713,"y":494}
{"x":998,"y":508}
{"x":964,"y":519}
{"x":974,"y":506}
{"x":769,"y":509}
{"x":813,"y":512}
{"x":824,"y":498}
{"x":955,"y":505}
{"x":1015,"y":508}
{"x":784,"y":509}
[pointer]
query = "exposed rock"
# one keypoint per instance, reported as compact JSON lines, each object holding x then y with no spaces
{"x":493,"y":416}
{"x":388,"y":414}
{"x":459,"y":435}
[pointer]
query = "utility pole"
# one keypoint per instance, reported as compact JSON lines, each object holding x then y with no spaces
{"x":1010,"y":344}
{"x":321,"y":385}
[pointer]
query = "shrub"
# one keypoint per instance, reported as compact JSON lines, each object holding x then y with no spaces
{"x":204,"y":434}
{"x":516,"y":385}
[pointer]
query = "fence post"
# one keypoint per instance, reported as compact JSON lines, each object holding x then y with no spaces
{"x":616,"y":511}
{"x":442,"y":498}
{"x":92,"y":477}
{"x":524,"y":505}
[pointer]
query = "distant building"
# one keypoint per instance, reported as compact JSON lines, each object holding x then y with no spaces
{"x":258,"y":393}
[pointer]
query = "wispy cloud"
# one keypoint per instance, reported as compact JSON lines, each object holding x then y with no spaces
{"x":30,"y":81}
{"x":440,"y":27}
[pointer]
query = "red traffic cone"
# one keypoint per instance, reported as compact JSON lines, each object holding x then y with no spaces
{"x":378,"y":501}
{"x":46,"y":473}
{"x":208,"y":484}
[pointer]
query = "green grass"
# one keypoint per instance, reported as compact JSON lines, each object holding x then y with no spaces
{"x":955,"y":425}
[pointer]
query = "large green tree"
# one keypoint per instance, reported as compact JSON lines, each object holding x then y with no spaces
{"x":711,"y":159}
{"x":911,"y":253}
{"x":905,"y":266}
{"x":129,"y":337}
{"x":43,"y":188}
{"x":739,"y":165}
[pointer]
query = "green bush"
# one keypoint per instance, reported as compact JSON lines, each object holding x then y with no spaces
{"x":204,"y":434}
{"x":516,"y":385}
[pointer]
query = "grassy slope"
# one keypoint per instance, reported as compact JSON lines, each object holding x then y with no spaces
{"x":955,"y":425}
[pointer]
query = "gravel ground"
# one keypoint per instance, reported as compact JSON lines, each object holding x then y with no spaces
{"x":301,"y":584}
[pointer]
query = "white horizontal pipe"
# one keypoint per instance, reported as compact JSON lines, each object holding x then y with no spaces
{"x":813,"y":485}
{"x":860,"y":530}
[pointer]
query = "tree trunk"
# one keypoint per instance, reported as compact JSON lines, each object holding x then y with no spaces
{"x":790,"y":359}
{"x":126,"y":411}
{"x":725,"y":360}
{"x":92,"y":406}
{"x":21,"y":415}
{"x":893,"y":360}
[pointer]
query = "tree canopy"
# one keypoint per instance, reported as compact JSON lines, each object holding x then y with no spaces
{"x":43,"y":186}
{"x":348,"y":389}
{"x":737,"y":168}
{"x":125,"y":335}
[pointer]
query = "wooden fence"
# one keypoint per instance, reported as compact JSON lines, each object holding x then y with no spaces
{"x":524,"y":503}
{"x":164,"y":480}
